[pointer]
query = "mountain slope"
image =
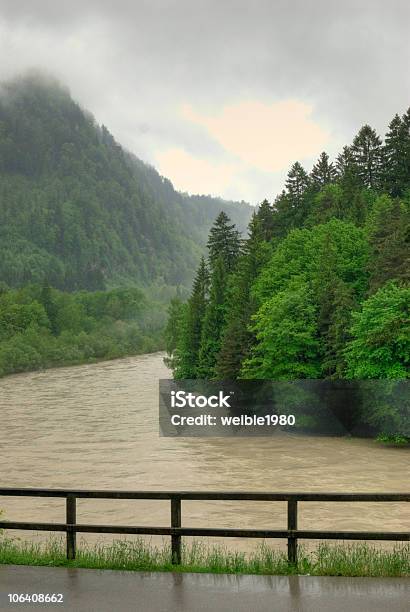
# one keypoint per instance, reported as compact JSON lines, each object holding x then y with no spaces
{"x":79,"y":211}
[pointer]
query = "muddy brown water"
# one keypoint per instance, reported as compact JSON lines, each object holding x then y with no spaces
{"x":96,"y":426}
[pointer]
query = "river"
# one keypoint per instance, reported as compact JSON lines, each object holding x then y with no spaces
{"x":96,"y":426}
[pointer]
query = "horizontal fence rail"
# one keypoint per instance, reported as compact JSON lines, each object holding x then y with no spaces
{"x":176,"y":531}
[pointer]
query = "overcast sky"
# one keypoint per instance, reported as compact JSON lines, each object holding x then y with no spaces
{"x":221,"y":96}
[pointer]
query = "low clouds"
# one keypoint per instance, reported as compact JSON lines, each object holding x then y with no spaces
{"x":261,"y":83}
{"x":196,"y":175}
{"x":264,"y":136}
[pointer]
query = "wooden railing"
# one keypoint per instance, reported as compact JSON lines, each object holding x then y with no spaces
{"x":176,"y":531}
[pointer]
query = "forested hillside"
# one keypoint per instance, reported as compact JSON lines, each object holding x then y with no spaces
{"x":320,"y":288}
{"x":78,"y":211}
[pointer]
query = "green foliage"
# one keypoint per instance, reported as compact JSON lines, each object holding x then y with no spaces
{"x":223,"y":243}
{"x":80,"y":212}
{"x":388,"y":228}
{"x":189,"y":326}
{"x":380,"y":347}
{"x":213,"y":322}
{"x":394,"y":439}
{"x":323,"y":172}
{"x":368,"y":156}
{"x":287,"y":346}
{"x":320,"y":287}
{"x":43,"y":327}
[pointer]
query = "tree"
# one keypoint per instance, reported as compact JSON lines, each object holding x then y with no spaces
{"x":336,"y":335}
{"x":327,"y":203}
{"x":396,"y":170}
{"x":345,"y":162}
{"x":388,"y":228}
{"x":287,"y":344}
{"x":173,"y":330}
{"x":47,"y":299}
{"x":223,"y":242}
{"x":265,"y":216}
{"x":297,"y":184}
{"x":237,"y":338}
{"x":213,"y":321}
{"x":380,"y":347}
{"x":191,"y":326}
{"x":367,"y":154}
{"x":323,"y":171}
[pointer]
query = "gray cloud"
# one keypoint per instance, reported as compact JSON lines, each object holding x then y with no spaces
{"x":133,"y":64}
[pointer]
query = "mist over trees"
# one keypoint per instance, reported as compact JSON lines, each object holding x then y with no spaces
{"x":79,"y":212}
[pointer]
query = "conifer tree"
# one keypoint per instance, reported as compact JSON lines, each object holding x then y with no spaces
{"x":223,"y":242}
{"x":389,"y":234}
{"x":210,"y":343}
{"x":353,"y":203}
{"x":173,"y":331}
{"x":296,"y":184}
{"x":191,"y":327}
{"x":292,"y":205}
{"x":367,"y":154}
{"x":266,"y":220}
{"x":237,"y":338}
{"x":345,"y":162}
{"x":337,"y":334}
{"x":396,"y":170}
{"x":323,"y":172}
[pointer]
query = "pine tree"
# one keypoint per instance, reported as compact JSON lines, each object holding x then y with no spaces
{"x":293,"y":205}
{"x":389,"y":234}
{"x":353,"y":203}
{"x":337,"y":334}
{"x":191,"y":327}
{"x":223,"y":242}
{"x":327,"y":203}
{"x":213,"y":322}
{"x":296,"y":184}
{"x":345,"y":162}
{"x":335,"y":301}
{"x":367,"y":154}
{"x":323,"y":172}
{"x":396,"y":169}
{"x":266,"y":220}
{"x":237,"y":338}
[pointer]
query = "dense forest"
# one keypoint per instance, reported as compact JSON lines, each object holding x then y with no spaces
{"x":320,"y":287}
{"x":80,"y":212}
{"x":93,"y":242}
{"x":43,"y":327}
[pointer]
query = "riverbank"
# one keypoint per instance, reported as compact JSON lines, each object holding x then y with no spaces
{"x":138,"y":555}
{"x":42,"y":328}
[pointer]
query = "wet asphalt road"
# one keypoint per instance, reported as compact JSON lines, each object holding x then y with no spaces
{"x":111,"y":591}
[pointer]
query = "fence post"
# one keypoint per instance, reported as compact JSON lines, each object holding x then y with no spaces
{"x":292,"y":526}
{"x":176,"y":522}
{"x":71,"y":518}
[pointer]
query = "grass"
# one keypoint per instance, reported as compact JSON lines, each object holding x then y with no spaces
{"x":140,"y":555}
{"x":393,"y":439}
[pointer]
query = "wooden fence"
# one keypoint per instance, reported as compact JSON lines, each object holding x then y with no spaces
{"x":176,"y":531}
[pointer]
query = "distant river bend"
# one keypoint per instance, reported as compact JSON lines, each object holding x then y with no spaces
{"x":96,"y":426}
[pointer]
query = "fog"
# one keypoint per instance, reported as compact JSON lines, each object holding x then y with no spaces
{"x":220,"y":96}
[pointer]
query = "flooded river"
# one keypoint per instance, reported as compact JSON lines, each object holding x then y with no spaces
{"x":96,"y":426}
